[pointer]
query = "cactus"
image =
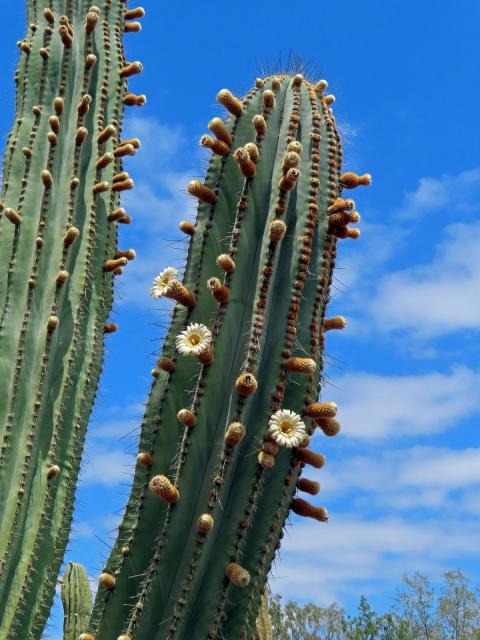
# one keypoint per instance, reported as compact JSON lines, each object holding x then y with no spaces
{"x":76,"y":601}
{"x":234,"y":396}
{"x":62,"y":178}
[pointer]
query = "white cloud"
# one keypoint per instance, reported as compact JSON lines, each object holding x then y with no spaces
{"x":437,"y":298}
{"x":376,"y":406}
{"x":350,"y":556}
{"x":433,"y":478}
{"x":453,"y":193}
{"x":106,"y":466}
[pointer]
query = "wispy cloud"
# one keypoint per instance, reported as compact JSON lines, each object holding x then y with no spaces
{"x":400,"y":406}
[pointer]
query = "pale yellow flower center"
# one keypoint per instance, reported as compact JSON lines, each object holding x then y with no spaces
{"x":287,"y":427}
{"x":194,"y":339}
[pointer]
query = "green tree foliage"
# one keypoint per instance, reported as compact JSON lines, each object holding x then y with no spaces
{"x":417,"y":613}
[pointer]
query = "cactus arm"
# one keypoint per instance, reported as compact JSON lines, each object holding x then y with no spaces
{"x":139,"y":531}
{"x":76,"y":601}
{"x":57,"y":371}
{"x":207,"y":509}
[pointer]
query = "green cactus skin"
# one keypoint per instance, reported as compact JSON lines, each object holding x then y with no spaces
{"x":51,"y":325}
{"x":169,"y":577}
{"x":76,"y":601}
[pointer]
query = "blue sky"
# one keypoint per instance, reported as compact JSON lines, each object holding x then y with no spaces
{"x":402,"y":479}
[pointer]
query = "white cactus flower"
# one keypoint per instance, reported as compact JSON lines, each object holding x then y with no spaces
{"x":287,"y":428}
{"x":194,"y":340}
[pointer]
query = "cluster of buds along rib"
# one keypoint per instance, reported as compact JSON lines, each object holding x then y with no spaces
{"x":290,"y":165}
{"x":246,"y":157}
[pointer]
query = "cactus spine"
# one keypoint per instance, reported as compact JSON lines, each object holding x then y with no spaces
{"x":76,"y":601}
{"x":56,"y":234}
{"x":218,"y":463}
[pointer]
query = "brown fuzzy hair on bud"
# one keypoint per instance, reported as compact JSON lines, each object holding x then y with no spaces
{"x":187,"y":418}
{"x":124,"y":150}
{"x":217,"y":146}
{"x":134,"y":100}
{"x":205,"y":523}
{"x":337,"y":322}
{"x":47,"y":178}
{"x":316,"y":460}
{"x":350,"y":180}
{"x":111,"y":265}
{"x":220,"y":292}
{"x":91,"y":21}
{"x":12,"y":215}
{"x":110,"y":327}
{"x":266,"y":460}
{"x":132,"y":27}
{"x":135,"y":142}
{"x":268,"y":99}
{"x":226,"y":263}
{"x":106,"y":134}
{"x":80,"y":135}
{"x":343,"y":218}
{"x":237,"y":575}
{"x":246,"y":164}
{"x":277,"y":230}
{"x":58,"y":105}
{"x":52,"y":324}
{"x":123,"y":185}
{"x":321,"y":86}
{"x":71,"y":235}
{"x":303,"y":508}
{"x":49,"y":15}
{"x":43,"y":51}
{"x":129,"y":254}
{"x":133,"y":14}
{"x":321,"y":410}
{"x":145,"y":458}
{"x":107,"y":580}
{"x":308,"y":486}
{"x":54,"y":123}
{"x":259,"y":124}
{"x":166,"y":364}
{"x":289,"y":180}
{"x":306,"y":366}
{"x":105,"y":160}
{"x":84,"y":104}
{"x":220,"y":130}
{"x":90,"y":60}
{"x":27,"y":152}
{"x":246,"y":384}
{"x":187,"y":227}
{"x":276,"y":84}
{"x":101,"y":187}
{"x":62,"y":277}
{"x":178,"y":292}
{"x":65,"y":36}
{"x":297,"y":80}
{"x":53,"y":471}
{"x":86,"y":636}
{"x":164,"y":489}
{"x":119,"y":177}
{"x":252,"y":150}
{"x":295,"y":146}
{"x":345,"y":232}
{"x":339,"y":204}
{"x":329,"y":426}
{"x":131,"y":69}
{"x":52,"y":137}
{"x":207,"y":356}
{"x":230,"y":102}
{"x":235,"y":433}
{"x":200,"y":190}
{"x":330,"y":99}
{"x":291,"y":160}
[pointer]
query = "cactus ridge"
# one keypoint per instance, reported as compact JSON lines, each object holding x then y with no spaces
{"x":209,"y":500}
{"x":57,"y":363}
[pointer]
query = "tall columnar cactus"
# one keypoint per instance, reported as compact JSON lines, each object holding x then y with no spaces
{"x":234,"y":398}
{"x":76,"y":601}
{"x":62,"y":178}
